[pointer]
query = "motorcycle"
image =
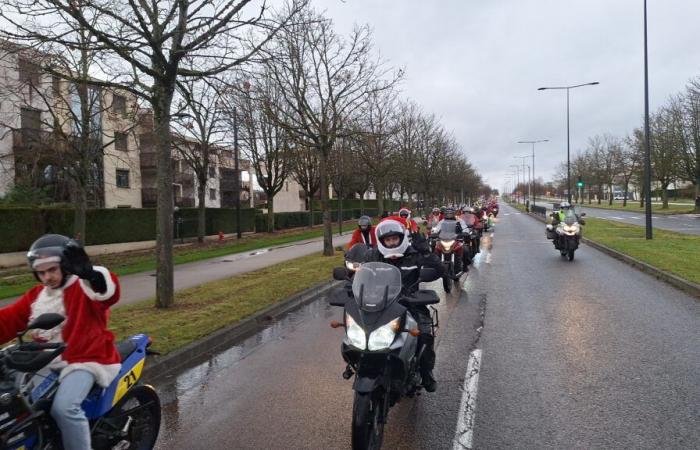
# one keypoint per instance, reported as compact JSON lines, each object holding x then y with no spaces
{"x":449,"y":248}
{"x":125,"y":415}
{"x":380,"y":345}
{"x":567,"y":234}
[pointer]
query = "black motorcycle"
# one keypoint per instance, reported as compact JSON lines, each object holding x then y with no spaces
{"x":380,"y":345}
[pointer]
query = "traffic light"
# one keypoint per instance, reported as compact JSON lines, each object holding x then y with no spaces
{"x":579,"y":183}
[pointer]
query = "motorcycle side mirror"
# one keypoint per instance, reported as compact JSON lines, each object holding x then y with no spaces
{"x":583,"y":214}
{"x":428,"y":274}
{"x":46,"y":321}
{"x":340,"y":273}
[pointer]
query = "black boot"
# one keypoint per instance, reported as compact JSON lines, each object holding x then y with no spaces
{"x":428,"y":381}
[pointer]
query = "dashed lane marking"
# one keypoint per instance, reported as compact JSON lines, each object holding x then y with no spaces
{"x":464,"y":433}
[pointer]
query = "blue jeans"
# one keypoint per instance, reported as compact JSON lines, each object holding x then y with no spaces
{"x":68,"y":413}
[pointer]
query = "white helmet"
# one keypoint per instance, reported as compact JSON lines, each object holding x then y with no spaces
{"x":391,"y":228}
{"x":565,"y":205}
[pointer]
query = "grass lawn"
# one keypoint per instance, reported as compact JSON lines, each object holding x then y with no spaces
{"x":634,"y":207}
{"x":673,"y":252}
{"x":202,"y":310}
{"x":16,"y":281}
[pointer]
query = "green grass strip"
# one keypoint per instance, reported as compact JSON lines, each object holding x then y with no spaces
{"x":201,"y":310}
{"x":672,"y":252}
{"x":634,"y":207}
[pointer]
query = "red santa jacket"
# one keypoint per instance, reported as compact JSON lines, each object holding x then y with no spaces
{"x":85,"y":328}
{"x":359,"y":238}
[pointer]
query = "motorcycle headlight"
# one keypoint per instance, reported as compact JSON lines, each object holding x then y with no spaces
{"x":355,"y":333}
{"x":570,"y":228}
{"x":447,"y":244}
{"x":383,"y":336}
{"x":352,"y":266}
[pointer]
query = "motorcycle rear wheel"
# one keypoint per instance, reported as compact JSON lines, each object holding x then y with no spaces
{"x":367,"y":423}
{"x":570,"y":255}
{"x":142,"y":404}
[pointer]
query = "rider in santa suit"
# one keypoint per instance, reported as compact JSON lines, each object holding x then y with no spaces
{"x":72,"y":287}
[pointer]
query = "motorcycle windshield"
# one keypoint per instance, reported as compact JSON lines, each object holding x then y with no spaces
{"x":570,"y":217}
{"x":448,"y":230}
{"x":376,"y":285}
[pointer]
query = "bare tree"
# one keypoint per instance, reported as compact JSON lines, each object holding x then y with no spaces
{"x":323,"y":79}
{"x":304,"y":169}
{"x":146,"y":43}
{"x":199,"y":127}
{"x":265,"y":143}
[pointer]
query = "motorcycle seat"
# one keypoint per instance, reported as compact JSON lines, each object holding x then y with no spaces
{"x":125,"y":348}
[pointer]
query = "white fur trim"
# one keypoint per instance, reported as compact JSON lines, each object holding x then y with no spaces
{"x":50,"y":301}
{"x":111,"y":286}
{"x":104,"y":373}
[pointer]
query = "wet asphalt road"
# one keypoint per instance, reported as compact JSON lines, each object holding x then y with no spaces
{"x":587,"y":354}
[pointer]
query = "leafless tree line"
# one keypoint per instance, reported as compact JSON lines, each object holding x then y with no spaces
{"x":307,"y":103}
{"x":610,"y":161}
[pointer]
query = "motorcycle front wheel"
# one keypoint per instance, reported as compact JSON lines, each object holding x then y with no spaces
{"x":570,"y":255}
{"x":367,"y":423}
{"x":140,"y":408}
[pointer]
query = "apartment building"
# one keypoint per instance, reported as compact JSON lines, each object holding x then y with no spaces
{"x":221,"y":180}
{"x":40,"y":116}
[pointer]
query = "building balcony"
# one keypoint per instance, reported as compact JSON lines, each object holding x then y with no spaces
{"x":184,"y":202}
{"x":183,"y":178}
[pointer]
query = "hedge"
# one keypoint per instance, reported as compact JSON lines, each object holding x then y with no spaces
{"x":286,"y":220}
{"x":21,"y":226}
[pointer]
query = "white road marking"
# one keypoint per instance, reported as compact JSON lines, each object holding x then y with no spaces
{"x":464,"y":433}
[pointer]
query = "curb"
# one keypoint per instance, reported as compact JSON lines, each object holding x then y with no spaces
{"x":158,"y":366}
{"x":679,"y":283}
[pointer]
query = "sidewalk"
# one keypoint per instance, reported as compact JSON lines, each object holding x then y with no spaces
{"x":142,"y":286}
{"x":14,"y":259}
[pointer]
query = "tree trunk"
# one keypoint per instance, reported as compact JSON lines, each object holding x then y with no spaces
{"x":310,"y":199}
{"x":270,"y":214}
{"x":362,"y":203}
{"x":664,"y":196}
{"x":163,"y":96}
{"x":610,"y":192}
{"x":201,"y":211}
{"x":325,"y":212}
{"x":626,"y":192}
{"x":340,"y":213}
{"x":380,"y":200}
{"x":600,"y":193}
{"x":79,"y":220}
{"x":642,"y":196}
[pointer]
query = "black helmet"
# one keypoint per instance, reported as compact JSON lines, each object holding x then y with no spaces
{"x":364,"y":221}
{"x":449,"y":213}
{"x":48,"y":248}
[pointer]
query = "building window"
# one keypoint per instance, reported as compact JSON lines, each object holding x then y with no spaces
{"x":122,"y":178}
{"x":119,"y":104}
{"x":212,"y":194}
{"x":286,"y":186}
{"x":30,"y":119}
{"x":120,"y":141}
{"x":212,"y":172}
{"x":56,"y":85}
{"x":29,"y":72}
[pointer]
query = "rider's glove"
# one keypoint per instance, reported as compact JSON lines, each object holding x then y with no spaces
{"x":419,"y":243}
{"x":77,"y":262}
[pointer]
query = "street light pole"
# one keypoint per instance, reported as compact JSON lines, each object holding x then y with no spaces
{"x":238,"y":174}
{"x":534,"y":188}
{"x":647,"y":143}
{"x":568,"y":134}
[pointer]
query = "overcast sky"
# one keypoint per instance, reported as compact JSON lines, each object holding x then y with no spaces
{"x":477,"y":64}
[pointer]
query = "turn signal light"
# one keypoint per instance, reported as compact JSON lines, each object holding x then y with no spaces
{"x":414,"y":332}
{"x":336,"y":324}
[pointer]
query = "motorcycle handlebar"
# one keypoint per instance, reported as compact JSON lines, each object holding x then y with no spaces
{"x":37,"y":346}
